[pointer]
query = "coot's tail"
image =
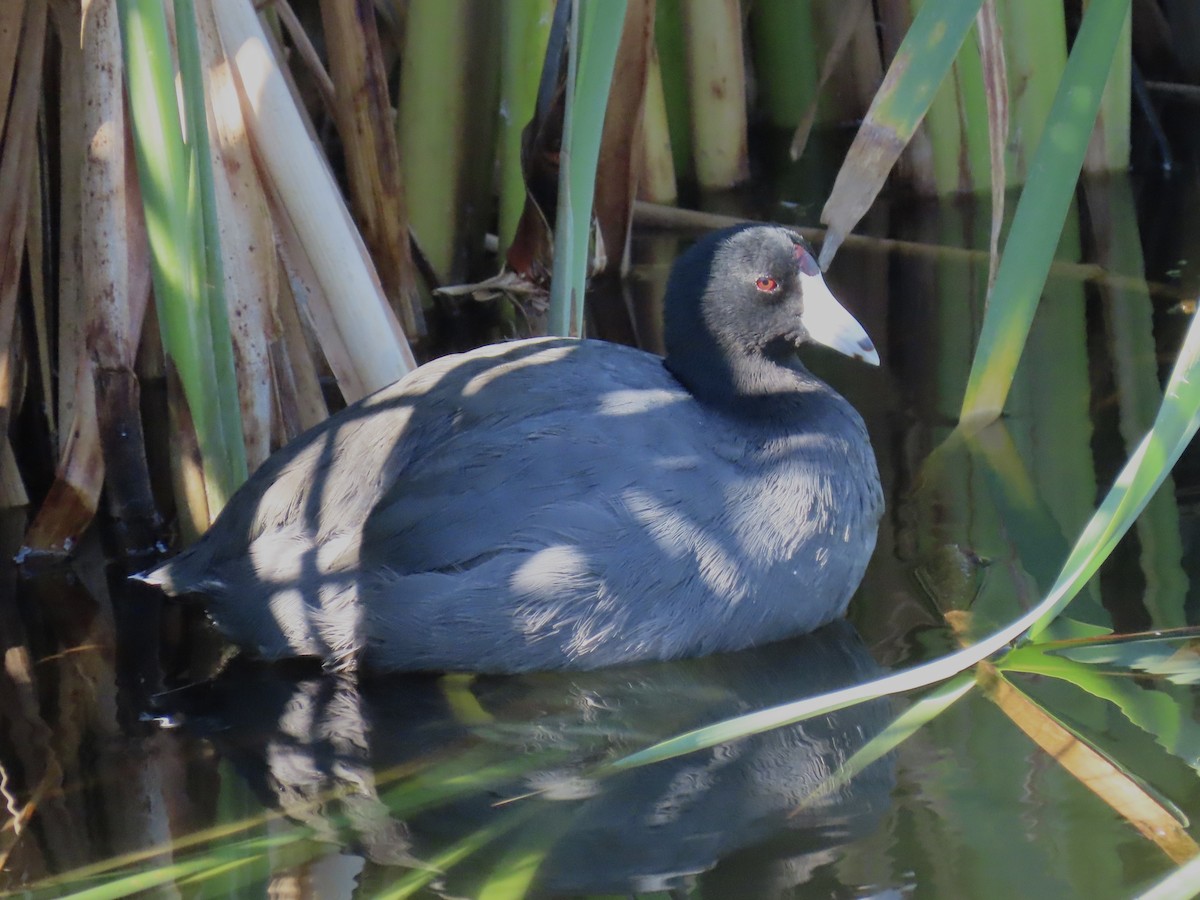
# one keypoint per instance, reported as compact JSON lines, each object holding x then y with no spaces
{"x":176,"y":577}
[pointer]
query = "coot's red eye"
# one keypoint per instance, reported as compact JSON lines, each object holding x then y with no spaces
{"x":766,"y":284}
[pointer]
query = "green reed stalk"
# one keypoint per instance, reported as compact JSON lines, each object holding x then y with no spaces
{"x":431,"y":124}
{"x":595,"y":34}
{"x":174,"y":196}
{"x":1128,"y":315}
{"x":213,"y":286}
{"x":1053,"y":429}
{"x":526,"y":31}
{"x":957,"y":127}
{"x":1042,"y":210}
{"x":672,"y":61}
{"x":1035,"y":53}
{"x":1109,"y":149}
{"x":786,"y":58}
{"x":924,"y":57}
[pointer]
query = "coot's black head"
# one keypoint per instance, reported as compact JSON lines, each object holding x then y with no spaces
{"x":738,"y":304}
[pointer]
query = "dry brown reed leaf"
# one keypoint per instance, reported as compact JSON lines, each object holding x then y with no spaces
{"x":67,"y":17}
{"x":12,"y":14}
{"x":1098,"y":774}
{"x":366,"y":122}
{"x":619,"y":165}
{"x":35,"y":253}
{"x":308,"y":54}
{"x":18,"y":154}
{"x":299,"y":399}
{"x":75,"y":492}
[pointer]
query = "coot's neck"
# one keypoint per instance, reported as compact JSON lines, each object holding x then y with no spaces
{"x":767,"y":385}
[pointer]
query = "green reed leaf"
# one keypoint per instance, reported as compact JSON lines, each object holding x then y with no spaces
{"x":595,"y":34}
{"x":1042,"y":209}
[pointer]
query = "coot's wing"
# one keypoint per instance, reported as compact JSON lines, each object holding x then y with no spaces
{"x":536,"y":456}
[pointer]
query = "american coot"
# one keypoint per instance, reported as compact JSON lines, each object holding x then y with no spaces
{"x":554,"y":503}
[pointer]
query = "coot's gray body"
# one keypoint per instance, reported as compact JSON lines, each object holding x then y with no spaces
{"x":554,"y":503}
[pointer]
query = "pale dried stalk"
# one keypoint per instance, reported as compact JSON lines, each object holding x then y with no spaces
{"x":717,"y":78}
{"x":116,"y":276}
{"x":657,"y":182}
{"x":365,"y":121}
{"x":247,"y":243}
{"x":116,"y":268}
{"x":314,"y":308}
{"x":360,"y":334}
{"x":105,"y":285}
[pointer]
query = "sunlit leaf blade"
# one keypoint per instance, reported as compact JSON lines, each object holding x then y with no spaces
{"x":1042,"y":209}
{"x":1166,"y":717}
{"x":513,"y":876}
{"x":912,"y":80}
{"x":466,"y":773}
{"x":591,"y":61}
{"x":1093,"y":769}
{"x":924,"y":710}
{"x":1184,"y":882}
{"x":1066,"y":628}
{"x":1128,"y":315}
{"x":808,"y":707}
{"x":1173,"y":655}
{"x":1174,"y":426}
{"x":416,"y":879}
{"x":515,"y":871}
{"x":198,"y":867}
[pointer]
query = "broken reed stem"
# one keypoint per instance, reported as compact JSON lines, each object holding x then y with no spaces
{"x":365,"y":121}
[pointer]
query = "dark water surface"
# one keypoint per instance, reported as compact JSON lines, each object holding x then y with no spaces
{"x":288,"y":782}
